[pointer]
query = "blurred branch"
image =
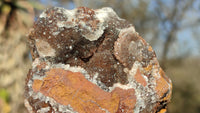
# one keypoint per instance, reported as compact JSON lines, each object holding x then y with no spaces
{"x":173,"y":20}
{"x":191,"y":25}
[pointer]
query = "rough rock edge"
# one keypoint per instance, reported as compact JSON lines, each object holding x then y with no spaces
{"x":100,"y":14}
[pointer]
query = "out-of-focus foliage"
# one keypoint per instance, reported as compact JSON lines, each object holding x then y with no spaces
{"x":186,"y":91}
{"x":4,"y":95}
{"x":4,"y":106}
{"x":16,"y":18}
{"x":36,"y":5}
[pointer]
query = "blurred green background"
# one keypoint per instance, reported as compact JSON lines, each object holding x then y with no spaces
{"x":172,"y":27}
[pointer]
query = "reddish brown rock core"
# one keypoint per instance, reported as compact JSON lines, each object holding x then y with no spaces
{"x":92,"y":61}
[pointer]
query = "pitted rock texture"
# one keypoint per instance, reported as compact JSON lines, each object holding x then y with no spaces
{"x":87,"y":61}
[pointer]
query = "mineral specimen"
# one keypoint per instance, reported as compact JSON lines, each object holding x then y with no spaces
{"x":92,"y":61}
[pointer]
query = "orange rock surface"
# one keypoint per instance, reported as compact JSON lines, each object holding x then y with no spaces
{"x":72,"y":88}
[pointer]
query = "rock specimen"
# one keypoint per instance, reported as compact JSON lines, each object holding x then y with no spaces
{"x":92,"y":61}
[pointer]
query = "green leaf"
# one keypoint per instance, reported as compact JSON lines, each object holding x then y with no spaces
{"x":4,"y":95}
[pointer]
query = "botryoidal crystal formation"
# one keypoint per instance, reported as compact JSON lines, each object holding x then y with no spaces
{"x":92,"y":61}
